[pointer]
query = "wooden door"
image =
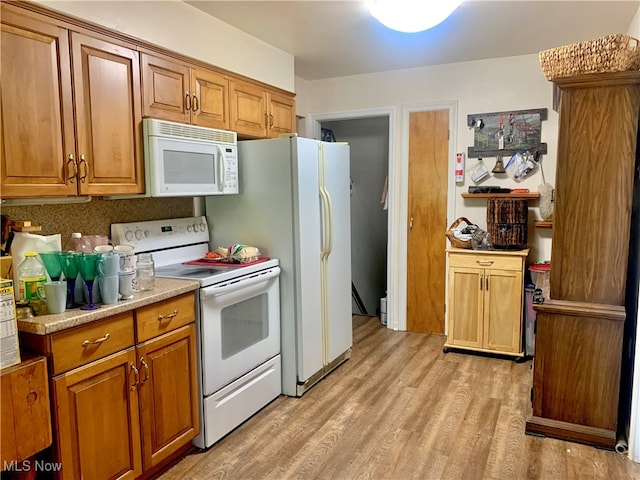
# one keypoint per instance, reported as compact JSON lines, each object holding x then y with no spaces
{"x":168,"y":394}
{"x":248,"y":109}
{"x":37,"y":136}
{"x":97,"y":420}
{"x":282,"y":114}
{"x":427,"y":220}
{"x":165,"y":89}
{"x":210,"y":99}
{"x":465,"y":307}
{"x":503,"y":311}
{"x":108,"y":116}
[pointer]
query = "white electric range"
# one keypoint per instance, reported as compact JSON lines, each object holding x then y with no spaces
{"x":238,"y":320}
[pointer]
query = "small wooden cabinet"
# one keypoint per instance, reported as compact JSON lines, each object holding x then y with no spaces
{"x":484,"y":307}
{"x":178,"y":92}
{"x":26,"y":417}
{"x":126,"y":385}
{"x":78,"y":102}
{"x":259,"y":112}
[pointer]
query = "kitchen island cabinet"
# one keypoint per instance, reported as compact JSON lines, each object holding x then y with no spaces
{"x":124,"y":383}
{"x":179,"y":92}
{"x":259,"y":112}
{"x":484,"y":308}
{"x":78,"y":101}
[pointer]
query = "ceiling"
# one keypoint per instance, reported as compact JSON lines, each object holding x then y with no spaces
{"x":336,"y":38}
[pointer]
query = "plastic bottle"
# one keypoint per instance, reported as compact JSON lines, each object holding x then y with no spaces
{"x":32,"y":276}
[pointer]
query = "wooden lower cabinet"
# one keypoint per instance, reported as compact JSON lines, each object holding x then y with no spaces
{"x":576,"y":372}
{"x":97,"y":419}
{"x":121,"y":415}
{"x":169,"y":415}
{"x":484,"y":307}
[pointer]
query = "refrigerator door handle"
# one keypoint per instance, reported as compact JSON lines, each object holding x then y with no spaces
{"x":327,"y":223}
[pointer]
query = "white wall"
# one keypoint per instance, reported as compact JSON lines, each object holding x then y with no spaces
{"x":182,"y":28}
{"x":514,"y":83}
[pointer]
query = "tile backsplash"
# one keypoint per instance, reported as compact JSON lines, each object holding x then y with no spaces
{"x":96,"y":216}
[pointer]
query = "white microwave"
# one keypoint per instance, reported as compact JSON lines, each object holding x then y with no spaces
{"x":186,"y":160}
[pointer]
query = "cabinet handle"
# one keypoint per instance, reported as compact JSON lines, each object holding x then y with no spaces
{"x":96,"y":341}
{"x":84,"y":162}
{"x":481,"y":282}
{"x":487,"y":283}
{"x":136,"y":376}
{"x":71,"y":163}
{"x":187,"y":101}
{"x":484,"y":262}
{"x":146,"y":371}
{"x":271,"y":120}
{"x":168,"y":317}
{"x":410,"y":223}
{"x":195,"y":103}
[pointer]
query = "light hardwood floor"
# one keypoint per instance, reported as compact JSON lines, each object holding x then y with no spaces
{"x":402,"y":409}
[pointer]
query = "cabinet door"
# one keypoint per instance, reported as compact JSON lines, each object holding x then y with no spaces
{"x":503,"y":311}
{"x":36,"y":136}
{"x":210,"y":99}
{"x":165,"y":89}
{"x":106,"y":80}
{"x":465,"y":307}
{"x":248,"y":109}
{"x":282,"y":114}
{"x":98,"y":429}
{"x":168,"y":394}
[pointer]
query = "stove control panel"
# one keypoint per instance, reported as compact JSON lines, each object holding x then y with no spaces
{"x":161,"y":234}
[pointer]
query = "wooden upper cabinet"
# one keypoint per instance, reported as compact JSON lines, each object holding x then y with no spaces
{"x":108,"y":117}
{"x":282,"y":114}
{"x":43,"y":152}
{"x":257,"y":112}
{"x":180,"y":93}
{"x":37,"y":134}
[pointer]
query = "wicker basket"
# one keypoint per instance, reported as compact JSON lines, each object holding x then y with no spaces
{"x":455,"y":241}
{"x":612,"y":53}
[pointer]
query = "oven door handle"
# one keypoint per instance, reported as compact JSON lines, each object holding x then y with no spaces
{"x":236,"y":284}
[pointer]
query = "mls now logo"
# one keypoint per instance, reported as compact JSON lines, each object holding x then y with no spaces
{"x":31,"y":466}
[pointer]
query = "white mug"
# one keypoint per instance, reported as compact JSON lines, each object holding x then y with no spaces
{"x":127,"y":256}
{"x":103,"y":248}
{"x":125,"y":284}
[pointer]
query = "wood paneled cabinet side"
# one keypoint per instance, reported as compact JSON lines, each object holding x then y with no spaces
{"x":484,"y":308}
{"x":257,"y":112}
{"x":75,"y":111}
{"x":179,"y":92}
{"x":26,"y":416}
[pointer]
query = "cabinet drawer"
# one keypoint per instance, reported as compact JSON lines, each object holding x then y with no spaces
{"x":503,"y":262}
{"x":163,"y":317}
{"x":87,"y":343}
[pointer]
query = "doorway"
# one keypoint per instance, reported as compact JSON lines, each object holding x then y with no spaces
{"x":368,"y":139}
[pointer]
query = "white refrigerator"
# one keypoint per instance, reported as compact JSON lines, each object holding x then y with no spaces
{"x":294,"y":205}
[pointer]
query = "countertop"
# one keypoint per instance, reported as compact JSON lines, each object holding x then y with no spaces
{"x":165,"y":288}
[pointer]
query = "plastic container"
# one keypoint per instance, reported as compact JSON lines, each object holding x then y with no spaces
{"x":538,"y":268}
{"x":529,"y":323}
{"x":32,"y":276}
{"x":145,"y":272}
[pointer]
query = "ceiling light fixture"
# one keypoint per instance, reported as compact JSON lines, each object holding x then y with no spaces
{"x":411,"y":16}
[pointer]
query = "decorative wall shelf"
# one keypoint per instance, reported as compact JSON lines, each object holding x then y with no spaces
{"x":530,"y":195}
{"x":544,"y":224}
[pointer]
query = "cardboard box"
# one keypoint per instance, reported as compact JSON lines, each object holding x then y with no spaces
{"x":9,"y":347}
{"x":5,"y":266}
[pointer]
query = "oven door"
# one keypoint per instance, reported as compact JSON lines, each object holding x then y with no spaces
{"x":240,"y":325}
